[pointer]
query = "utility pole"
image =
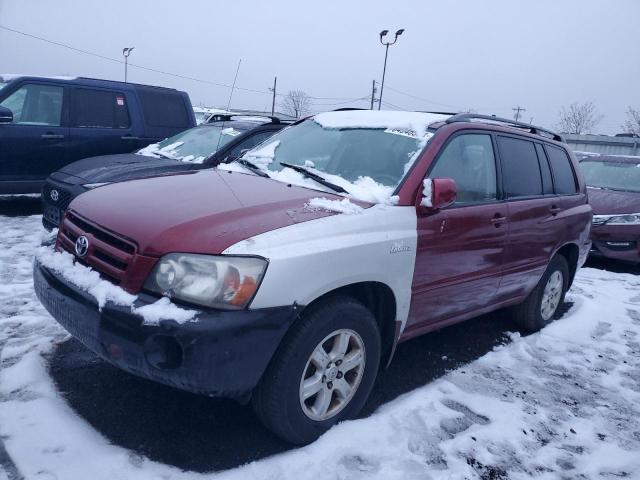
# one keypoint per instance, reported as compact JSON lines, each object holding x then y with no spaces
{"x":273,"y":102}
{"x":373,"y":94}
{"x":518,"y":109}
{"x":125,"y":53}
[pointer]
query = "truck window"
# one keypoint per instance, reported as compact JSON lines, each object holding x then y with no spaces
{"x":163,"y":109}
{"x":99,"y":109}
{"x":34,"y":104}
{"x":520,"y":167}
{"x":563,"y":175}
{"x":469,"y":160}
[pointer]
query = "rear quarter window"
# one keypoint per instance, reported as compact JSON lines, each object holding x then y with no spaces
{"x":563,"y":175}
{"x":520,"y":168}
{"x":99,"y":109}
{"x":163,"y":109}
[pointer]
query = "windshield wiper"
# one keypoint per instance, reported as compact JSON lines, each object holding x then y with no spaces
{"x":252,"y":166}
{"x":314,"y":176}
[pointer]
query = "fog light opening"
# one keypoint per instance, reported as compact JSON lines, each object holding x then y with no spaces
{"x":163,"y":352}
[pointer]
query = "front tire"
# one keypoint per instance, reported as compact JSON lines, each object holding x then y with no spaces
{"x":322,"y":373}
{"x":538,"y":309}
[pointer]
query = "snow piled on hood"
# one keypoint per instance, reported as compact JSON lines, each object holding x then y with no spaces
{"x":340,"y":206}
{"x":170,"y":151}
{"x":87,"y":279}
{"x":416,"y":122}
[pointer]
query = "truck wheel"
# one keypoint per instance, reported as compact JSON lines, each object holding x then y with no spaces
{"x":322,"y":373}
{"x":542,"y":303}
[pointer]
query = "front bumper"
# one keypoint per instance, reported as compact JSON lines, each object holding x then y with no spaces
{"x":617,"y":242}
{"x":222,"y":353}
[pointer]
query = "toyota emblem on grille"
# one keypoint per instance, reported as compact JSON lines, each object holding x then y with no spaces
{"x":55,"y":195}
{"x":82,"y":246}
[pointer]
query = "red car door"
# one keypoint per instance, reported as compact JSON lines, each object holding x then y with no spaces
{"x":460,"y":249}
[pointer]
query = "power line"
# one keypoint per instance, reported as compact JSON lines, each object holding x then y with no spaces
{"x":343,"y":103}
{"x":395,"y":106}
{"x":154,"y":70}
{"x":421,"y":98}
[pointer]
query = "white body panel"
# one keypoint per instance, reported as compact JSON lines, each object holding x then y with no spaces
{"x":309,"y":259}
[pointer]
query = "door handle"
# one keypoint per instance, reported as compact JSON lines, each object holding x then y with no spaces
{"x":554,"y":210}
{"x":498,"y":220}
{"x":129,"y":137}
{"x":51,"y":136}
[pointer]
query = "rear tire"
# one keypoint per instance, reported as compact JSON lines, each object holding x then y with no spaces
{"x":300,"y":381}
{"x":541,"y":305}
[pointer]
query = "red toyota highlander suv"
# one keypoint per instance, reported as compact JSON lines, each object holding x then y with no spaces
{"x":289,"y":276}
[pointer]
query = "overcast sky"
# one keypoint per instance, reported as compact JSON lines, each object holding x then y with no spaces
{"x":489,"y":56}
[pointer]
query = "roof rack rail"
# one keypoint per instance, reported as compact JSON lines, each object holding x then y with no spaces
{"x":469,"y":117}
{"x":227,"y":117}
{"x":438,"y":113}
{"x":346,"y":109}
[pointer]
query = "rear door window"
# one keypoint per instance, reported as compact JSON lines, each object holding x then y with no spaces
{"x":563,"y":175}
{"x":520,"y":168}
{"x":99,"y":109}
{"x":469,"y":160}
{"x":34,"y":104}
{"x":163,"y":109}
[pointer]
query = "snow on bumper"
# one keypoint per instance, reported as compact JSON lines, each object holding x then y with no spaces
{"x":223,"y":353}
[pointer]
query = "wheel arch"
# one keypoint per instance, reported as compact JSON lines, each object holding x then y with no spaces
{"x":571,"y":253}
{"x":379,"y":298}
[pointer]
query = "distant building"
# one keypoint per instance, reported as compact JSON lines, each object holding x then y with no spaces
{"x":621,"y":144}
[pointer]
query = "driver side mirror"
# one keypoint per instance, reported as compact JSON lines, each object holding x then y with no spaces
{"x":6,"y":115}
{"x":438,"y":193}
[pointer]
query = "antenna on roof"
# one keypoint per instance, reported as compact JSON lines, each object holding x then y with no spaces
{"x":234,"y":84}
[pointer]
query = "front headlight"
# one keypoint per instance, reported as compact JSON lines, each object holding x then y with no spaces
{"x":630,"y":219}
{"x":91,"y":186}
{"x":209,"y":280}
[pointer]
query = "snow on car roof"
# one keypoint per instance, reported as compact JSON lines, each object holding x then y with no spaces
{"x":418,"y":122}
{"x":7,"y":77}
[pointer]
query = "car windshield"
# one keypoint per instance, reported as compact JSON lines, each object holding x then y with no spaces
{"x":367,"y":160}
{"x":194,"y":145}
{"x":612,"y":175}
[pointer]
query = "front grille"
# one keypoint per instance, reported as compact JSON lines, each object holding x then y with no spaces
{"x":108,"y":253}
{"x":64,"y":196}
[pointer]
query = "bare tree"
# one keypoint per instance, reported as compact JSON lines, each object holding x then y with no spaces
{"x":578,"y":118}
{"x":632,"y":123}
{"x":296,"y":103}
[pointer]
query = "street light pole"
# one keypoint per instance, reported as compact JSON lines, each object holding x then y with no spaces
{"x":125,"y":53}
{"x":383,"y":33}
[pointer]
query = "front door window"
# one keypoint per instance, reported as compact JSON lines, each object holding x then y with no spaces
{"x":469,"y":160}
{"x":34,"y":104}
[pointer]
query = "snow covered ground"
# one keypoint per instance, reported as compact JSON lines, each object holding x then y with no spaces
{"x":564,"y":403}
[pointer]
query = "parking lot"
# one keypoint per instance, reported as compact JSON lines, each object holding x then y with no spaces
{"x":475,"y":399}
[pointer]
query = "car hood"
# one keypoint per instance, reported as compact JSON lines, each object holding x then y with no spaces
{"x":117,"y":168}
{"x":604,"y":202}
{"x":197,"y":212}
